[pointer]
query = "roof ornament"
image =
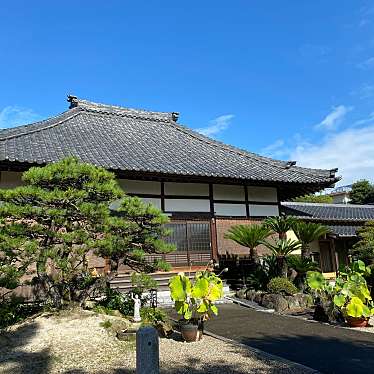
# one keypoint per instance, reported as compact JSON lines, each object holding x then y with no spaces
{"x":290,"y":163}
{"x":73,"y":100}
{"x":332,"y":172}
{"x":175,"y":116}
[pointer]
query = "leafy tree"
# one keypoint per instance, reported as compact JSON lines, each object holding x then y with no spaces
{"x":308,"y":232}
{"x":280,"y":225}
{"x":325,"y":199}
{"x":364,"y":248}
{"x":362,"y":192}
{"x":281,"y":249}
{"x":49,"y":226}
{"x":250,"y":236}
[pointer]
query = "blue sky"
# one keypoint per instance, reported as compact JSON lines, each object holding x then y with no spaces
{"x":291,"y":80}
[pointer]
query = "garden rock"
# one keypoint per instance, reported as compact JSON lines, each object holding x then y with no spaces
{"x":304,"y":300}
{"x":258,"y":297}
{"x":293,"y":302}
{"x":241,"y":293}
{"x":250,"y":295}
{"x":274,"y":301}
{"x":89,"y":304}
{"x":164,"y":329}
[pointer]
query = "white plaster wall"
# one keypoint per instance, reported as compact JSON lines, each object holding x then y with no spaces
{"x":187,"y":205}
{"x":228,"y":192}
{"x":10,"y":179}
{"x":263,"y":210}
{"x":235,"y":210}
{"x":263,"y":194}
{"x":141,"y":187}
{"x":291,"y":235}
{"x":151,"y":200}
{"x":188,"y":189}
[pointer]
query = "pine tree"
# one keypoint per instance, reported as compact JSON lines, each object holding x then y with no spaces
{"x":49,"y":225}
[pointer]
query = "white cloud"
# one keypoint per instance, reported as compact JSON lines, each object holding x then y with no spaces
{"x":14,"y":115}
{"x":351,"y":150}
{"x":366,"y":64}
{"x":365,"y":121}
{"x":276,"y":149}
{"x":217,"y":125}
{"x":366,"y":91}
{"x":335,"y":117}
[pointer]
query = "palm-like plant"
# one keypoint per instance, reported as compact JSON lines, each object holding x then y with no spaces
{"x":281,"y":249}
{"x":308,"y":232}
{"x":301,"y":265}
{"x":280,"y":225}
{"x":250,"y":236}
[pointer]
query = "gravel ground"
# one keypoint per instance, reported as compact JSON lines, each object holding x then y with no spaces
{"x":75,"y":342}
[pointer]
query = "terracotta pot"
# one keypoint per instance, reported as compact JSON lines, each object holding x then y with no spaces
{"x":357,"y":322}
{"x":191,"y":332}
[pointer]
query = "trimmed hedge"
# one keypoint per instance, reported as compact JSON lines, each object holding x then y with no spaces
{"x":282,"y":286}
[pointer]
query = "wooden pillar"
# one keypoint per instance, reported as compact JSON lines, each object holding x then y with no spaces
{"x":213,"y":239}
{"x":334,"y":257}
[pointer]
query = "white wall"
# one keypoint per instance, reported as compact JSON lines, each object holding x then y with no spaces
{"x":256,"y":210}
{"x":238,"y":210}
{"x":187,"y":189}
{"x":263,"y":194}
{"x":228,"y":192}
{"x":187,"y":205}
{"x":140,"y":187}
{"x":151,"y":200}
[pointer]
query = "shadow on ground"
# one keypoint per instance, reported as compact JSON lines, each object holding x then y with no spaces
{"x":15,"y":360}
{"x":326,"y":354}
{"x":319,"y":346}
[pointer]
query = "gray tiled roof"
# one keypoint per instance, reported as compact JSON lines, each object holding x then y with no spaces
{"x":124,"y":139}
{"x":329,"y":212}
{"x":343,"y":219}
{"x":344,"y":230}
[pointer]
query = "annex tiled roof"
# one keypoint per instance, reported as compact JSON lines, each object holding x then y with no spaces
{"x":329,"y":212}
{"x":342,"y":219}
{"x":125,"y":139}
{"x":344,"y":230}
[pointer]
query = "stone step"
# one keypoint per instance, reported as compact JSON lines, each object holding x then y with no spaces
{"x":122,"y":281}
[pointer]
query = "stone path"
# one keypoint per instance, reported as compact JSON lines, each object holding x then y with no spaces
{"x":319,"y":346}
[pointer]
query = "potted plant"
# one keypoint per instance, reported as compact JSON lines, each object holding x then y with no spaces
{"x":194,"y":301}
{"x":350,"y":294}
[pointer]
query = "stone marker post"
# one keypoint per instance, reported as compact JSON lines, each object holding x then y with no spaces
{"x":147,"y":351}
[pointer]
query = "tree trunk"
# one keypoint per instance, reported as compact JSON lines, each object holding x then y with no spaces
{"x":282,"y":266}
{"x":253,"y":254}
{"x":51,"y":290}
{"x":305,"y":251}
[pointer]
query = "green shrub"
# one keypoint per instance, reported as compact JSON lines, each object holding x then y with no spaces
{"x":106,"y":324}
{"x":259,"y":278}
{"x":153,"y":316}
{"x":282,"y":286}
{"x":115,"y":300}
{"x":14,"y":310}
{"x":142,"y":282}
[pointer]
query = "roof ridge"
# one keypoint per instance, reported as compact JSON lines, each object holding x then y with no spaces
{"x":120,"y":110}
{"x":328,"y":205}
{"x":263,"y":159}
